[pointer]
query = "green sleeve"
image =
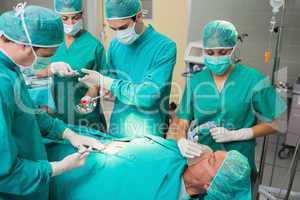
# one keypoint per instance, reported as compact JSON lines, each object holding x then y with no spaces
{"x":100,"y":62}
{"x":17,"y":175}
{"x":185,"y":110}
{"x":51,"y":127}
{"x":267,"y":103}
{"x":148,"y":92}
{"x":109,"y":68}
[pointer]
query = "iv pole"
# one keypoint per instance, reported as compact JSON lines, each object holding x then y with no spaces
{"x":279,"y":31}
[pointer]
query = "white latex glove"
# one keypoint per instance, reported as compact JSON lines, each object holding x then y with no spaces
{"x":62,"y":69}
{"x":79,"y":141}
{"x":93,"y":78}
{"x":222,"y":135}
{"x":70,"y":162}
{"x":189,"y":149}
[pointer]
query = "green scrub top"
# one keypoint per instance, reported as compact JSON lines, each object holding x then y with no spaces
{"x":148,"y":168}
{"x":246,"y":98}
{"x":24,"y":170}
{"x":85,"y":52}
{"x":143,"y":73}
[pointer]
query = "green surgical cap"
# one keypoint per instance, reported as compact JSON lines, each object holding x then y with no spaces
{"x":232,"y":181}
{"x":122,"y":9}
{"x":68,"y":6}
{"x":219,"y":34}
{"x":40,"y":25}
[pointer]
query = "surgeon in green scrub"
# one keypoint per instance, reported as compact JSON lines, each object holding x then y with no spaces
{"x":79,"y":50}
{"x":140,"y":67}
{"x":26,"y":34}
{"x":237,"y":99}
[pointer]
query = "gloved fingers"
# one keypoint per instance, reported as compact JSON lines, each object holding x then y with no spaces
{"x":218,"y":131}
{"x":214,"y":136}
{"x":187,"y":155}
{"x":222,"y":138}
{"x":85,"y":80}
{"x":64,"y":73}
{"x":98,"y":146}
{"x":83,"y":148}
{"x":69,"y":73}
{"x":69,"y":68}
{"x":194,"y":152}
{"x":214,"y":130}
{"x":195,"y":146}
{"x":219,"y":138}
{"x":191,"y":150}
{"x":87,"y":71}
{"x":84,"y":155}
{"x":219,"y":141}
{"x":60,"y":73}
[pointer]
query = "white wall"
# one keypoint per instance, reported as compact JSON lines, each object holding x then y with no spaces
{"x":252,"y":17}
{"x":94,"y":16}
{"x":9,"y":4}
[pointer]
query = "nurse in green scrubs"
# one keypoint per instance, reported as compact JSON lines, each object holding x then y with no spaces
{"x":25,"y":171}
{"x":239,"y":100}
{"x":79,"y":50}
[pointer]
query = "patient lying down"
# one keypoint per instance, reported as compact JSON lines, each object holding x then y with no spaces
{"x":151,"y":168}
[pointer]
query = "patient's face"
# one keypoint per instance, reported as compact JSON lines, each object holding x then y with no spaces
{"x":206,"y":168}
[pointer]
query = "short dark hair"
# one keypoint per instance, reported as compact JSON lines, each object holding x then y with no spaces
{"x":134,"y":18}
{"x":5,"y":39}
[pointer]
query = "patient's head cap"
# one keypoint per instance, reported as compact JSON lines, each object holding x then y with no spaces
{"x":232,"y":181}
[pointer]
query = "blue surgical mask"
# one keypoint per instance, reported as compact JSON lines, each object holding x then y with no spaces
{"x":218,"y":64}
{"x":128,"y":36}
{"x":72,"y":30}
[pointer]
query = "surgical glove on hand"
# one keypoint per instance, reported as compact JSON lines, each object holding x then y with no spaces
{"x":79,"y":140}
{"x":62,"y":69}
{"x":189,"y":149}
{"x":223,"y":135}
{"x":93,"y":78}
{"x":70,"y":162}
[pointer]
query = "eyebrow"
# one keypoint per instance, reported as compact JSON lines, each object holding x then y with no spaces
{"x":120,"y":27}
{"x":72,"y":17}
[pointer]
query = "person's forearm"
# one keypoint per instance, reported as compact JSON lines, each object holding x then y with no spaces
{"x":92,"y":92}
{"x":145,"y":94}
{"x":178,"y":129}
{"x":264,"y":129}
{"x":50,"y":127}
